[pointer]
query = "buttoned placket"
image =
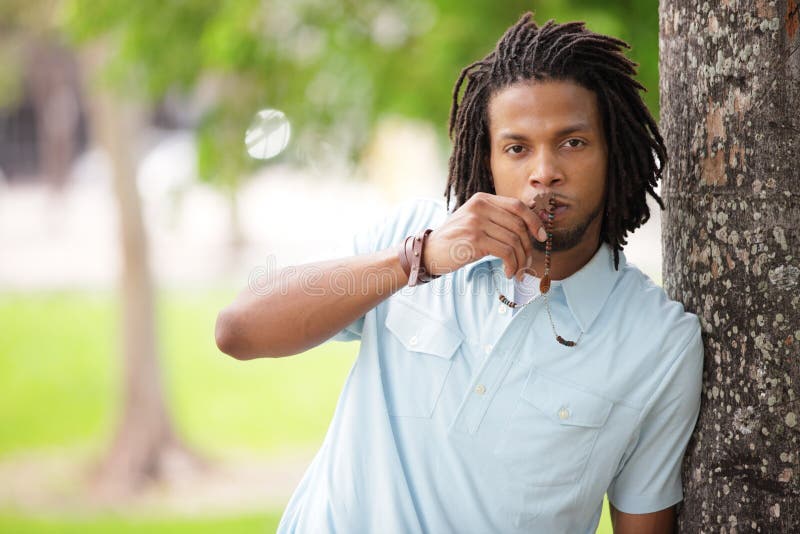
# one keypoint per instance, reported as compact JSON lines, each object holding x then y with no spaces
{"x":498,"y":358}
{"x":499,"y":316}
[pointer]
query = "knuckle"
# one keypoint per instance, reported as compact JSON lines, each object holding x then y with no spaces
{"x":476,"y":198}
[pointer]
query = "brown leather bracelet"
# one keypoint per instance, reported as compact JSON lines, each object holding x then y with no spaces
{"x":402,"y":254}
{"x":419,"y":275}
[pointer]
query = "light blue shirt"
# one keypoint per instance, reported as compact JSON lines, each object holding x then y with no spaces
{"x":459,"y":416}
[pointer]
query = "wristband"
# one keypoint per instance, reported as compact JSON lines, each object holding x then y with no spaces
{"x":403,"y":255}
{"x":410,"y":254}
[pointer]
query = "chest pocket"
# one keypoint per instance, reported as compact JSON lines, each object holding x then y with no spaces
{"x":417,"y":358}
{"x":551,"y":432}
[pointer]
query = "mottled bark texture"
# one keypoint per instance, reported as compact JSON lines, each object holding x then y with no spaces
{"x":730,"y":113}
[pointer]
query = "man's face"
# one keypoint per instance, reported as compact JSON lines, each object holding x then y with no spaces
{"x":548,"y":137}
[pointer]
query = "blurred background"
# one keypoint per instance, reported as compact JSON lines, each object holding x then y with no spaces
{"x":155,"y":156}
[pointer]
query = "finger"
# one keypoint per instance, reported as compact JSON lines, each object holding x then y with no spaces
{"x":507,"y":245}
{"x":515,"y":206}
{"x":516,"y":224}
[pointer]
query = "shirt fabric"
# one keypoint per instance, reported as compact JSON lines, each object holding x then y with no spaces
{"x":461,"y":416}
{"x":525,"y":290}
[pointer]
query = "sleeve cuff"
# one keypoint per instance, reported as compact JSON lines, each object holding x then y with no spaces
{"x":645,"y":504}
{"x":345,"y":335}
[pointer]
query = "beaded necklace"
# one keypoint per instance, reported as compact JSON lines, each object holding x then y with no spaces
{"x":548,"y":203}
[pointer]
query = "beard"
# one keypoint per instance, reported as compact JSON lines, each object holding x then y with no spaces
{"x":567,"y":238}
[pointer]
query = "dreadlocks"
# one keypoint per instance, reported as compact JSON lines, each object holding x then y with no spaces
{"x":636,"y":151}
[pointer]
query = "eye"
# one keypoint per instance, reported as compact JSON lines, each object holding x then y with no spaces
{"x":575,"y":143}
{"x":515,"y":149}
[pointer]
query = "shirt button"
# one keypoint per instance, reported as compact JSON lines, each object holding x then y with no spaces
{"x":487,"y":348}
{"x":563,"y":413}
{"x":412,"y":341}
{"x":502,"y":309}
{"x":480,"y":389}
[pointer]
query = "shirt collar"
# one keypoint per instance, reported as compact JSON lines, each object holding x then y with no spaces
{"x":587,"y":289}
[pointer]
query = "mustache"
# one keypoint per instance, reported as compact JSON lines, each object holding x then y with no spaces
{"x":558,"y":200}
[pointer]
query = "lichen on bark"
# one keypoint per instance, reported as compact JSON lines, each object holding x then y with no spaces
{"x":730,"y":100}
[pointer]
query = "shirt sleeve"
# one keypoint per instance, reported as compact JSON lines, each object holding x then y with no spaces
{"x":362,"y":242}
{"x":649,"y":478}
{"x":403,"y":220}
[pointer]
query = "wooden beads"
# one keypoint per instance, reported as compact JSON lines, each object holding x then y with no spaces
{"x":545,"y":203}
{"x":544,"y":284}
{"x":565,"y":342}
{"x":507,"y":302}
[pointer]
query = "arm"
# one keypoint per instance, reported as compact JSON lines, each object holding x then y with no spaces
{"x":305,"y":305}
{"x":660,"y":522}
{"x":650,"y":477}
{"x":298,"y":311}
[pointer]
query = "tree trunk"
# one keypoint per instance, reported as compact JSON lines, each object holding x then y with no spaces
{"x":145,"y":446}
{"x":53,"y":89}
{"x":730,"y":93}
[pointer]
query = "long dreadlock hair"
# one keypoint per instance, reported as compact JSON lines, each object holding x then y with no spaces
{"x":636,"y":151}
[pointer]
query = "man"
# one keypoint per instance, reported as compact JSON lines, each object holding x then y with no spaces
{"x":489,"y":403}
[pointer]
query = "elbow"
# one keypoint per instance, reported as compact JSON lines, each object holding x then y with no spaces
{"x":228,"y":335}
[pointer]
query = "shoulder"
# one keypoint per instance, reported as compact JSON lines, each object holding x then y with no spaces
{"x":406,"y":218}
{"x":648,"y":307}
{"x":659,"y":335}
{"x":420,"y":210}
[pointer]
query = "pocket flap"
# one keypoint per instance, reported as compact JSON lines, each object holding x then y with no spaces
{"x":565,"y":404}
{"x":420,"y":333}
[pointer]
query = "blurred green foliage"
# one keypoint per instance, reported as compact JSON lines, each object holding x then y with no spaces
{"x":334,"y":67}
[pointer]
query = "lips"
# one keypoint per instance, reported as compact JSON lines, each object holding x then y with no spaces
{"x":556,"y":201}
{"x":559,"y":208}
{"x":557,"y":213}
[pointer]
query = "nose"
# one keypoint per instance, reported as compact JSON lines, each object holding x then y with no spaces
{"x":545,"y":171}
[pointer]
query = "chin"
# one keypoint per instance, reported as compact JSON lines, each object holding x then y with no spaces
{"x":564,"y":238}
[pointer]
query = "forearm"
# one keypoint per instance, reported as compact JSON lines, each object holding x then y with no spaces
{"x":305,"y":305}
{"x":661,"y":522}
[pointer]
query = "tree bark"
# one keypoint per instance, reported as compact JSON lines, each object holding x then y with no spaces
{"x":145,"y":446}
{"x":730,"y":93}
{"x":53,"y":89}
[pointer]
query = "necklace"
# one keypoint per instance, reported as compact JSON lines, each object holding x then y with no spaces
{"x":546,"y":202}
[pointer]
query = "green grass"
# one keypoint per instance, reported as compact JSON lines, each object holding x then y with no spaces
{"x":11,"y":523}
{"x":60,"y":372}
{"x":60,"y":380}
